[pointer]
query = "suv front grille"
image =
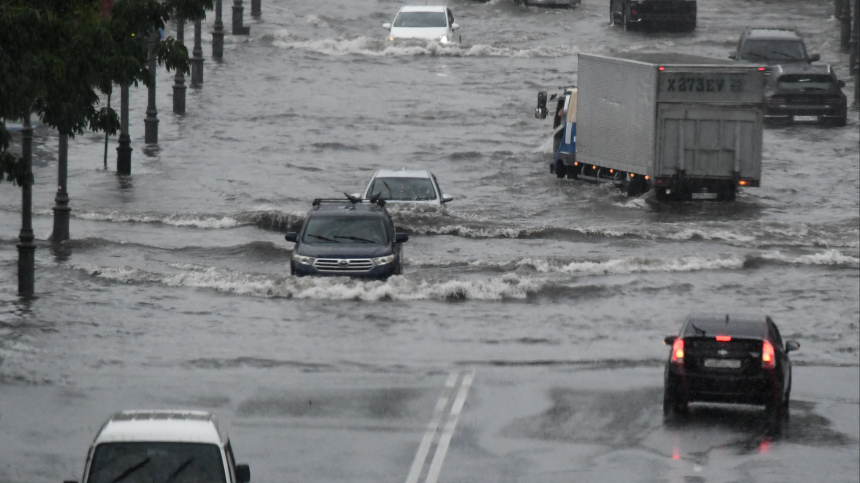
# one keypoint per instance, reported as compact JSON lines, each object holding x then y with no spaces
{"x":343,"y":264}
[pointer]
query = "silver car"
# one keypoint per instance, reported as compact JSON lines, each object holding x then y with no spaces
{"x":428,"y":22}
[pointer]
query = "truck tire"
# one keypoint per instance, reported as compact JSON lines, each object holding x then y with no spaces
{"x":560,"y":169}
{"x":660,"y":194}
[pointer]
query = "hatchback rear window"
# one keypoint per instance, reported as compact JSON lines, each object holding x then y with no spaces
{"x":735,"y":328}
{"x":805,"y":81}
{"x":421,"y":19}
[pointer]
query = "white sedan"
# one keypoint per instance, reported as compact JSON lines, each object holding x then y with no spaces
{"x":405,"y":186}
{"x":429,"y":22}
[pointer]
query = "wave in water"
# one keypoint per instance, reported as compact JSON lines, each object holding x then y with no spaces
{"x":378,"y":47}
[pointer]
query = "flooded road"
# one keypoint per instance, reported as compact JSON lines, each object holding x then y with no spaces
{"x":175,"y":291}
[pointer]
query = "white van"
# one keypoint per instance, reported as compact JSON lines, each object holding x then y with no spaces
{"x":162,"y":446}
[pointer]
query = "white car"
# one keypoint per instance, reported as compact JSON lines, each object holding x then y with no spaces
{"x":429,"y":22}
{"x":162,"y":446}
{"x":405,"y":186}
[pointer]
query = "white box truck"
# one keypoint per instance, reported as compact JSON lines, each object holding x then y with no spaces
{"x":688,"y":126}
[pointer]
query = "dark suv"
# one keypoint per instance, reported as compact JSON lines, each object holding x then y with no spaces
{"x":352,"y":237}
{"x":803,"y":93}
{"x":728,"y":359}
{"x":772,"y":45}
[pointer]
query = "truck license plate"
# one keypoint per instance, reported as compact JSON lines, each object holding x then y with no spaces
{"x":723,"y":363}
{"x":805,"y":118}
{"x":704,"y":196}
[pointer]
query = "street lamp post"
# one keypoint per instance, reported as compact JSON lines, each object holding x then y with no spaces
{"x":26,"y":248}
{"x":179,"y":78}
{"x":151,"y":120}
{"x":238,"y":29}
{"x":218,"y":34}
{"x":123,"y":151}
{"x":845,"y":30}
{"x":854,"y":59}
{"x":62,"y":209}
{"x":255,"y":8}
{"x":197,"y":57}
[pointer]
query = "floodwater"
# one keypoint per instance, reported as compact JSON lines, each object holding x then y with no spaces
{"x":175,"y":292}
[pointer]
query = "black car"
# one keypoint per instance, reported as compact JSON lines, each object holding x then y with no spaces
{"x":728,"y":359}
{"x":351,"y":237}
{"x":803,"y":93}
{"x":629,"y":13}
{"x":772,"y":45}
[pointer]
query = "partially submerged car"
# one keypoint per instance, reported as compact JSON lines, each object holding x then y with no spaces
{"x":550,"y":3}
{"x":772,"y":45}
{"x":427,"y":22}
{"x":405,"y":186}
{"x":162,"y":446}
{"x":726,"y":358}
{"x":347,"y":237}
{"x":804,"y":93}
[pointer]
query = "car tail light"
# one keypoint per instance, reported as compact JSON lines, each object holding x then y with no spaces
{"x":634,"y":12}
{"x":767,"y":356}
{"x":724,"y":338}
{"x":678,"y":351}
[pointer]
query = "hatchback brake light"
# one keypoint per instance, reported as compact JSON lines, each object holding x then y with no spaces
{"x":767,"y":356}
{"x":724,"y":338}
{"x":678,"y":351}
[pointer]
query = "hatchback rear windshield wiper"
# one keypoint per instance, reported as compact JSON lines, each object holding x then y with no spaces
{"x":322,"y":238}
{"x":698,"y":330}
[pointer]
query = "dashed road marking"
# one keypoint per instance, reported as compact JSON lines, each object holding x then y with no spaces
{"x":430,"y":434}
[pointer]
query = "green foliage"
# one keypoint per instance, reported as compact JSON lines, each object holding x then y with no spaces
{"x":59,"y":57}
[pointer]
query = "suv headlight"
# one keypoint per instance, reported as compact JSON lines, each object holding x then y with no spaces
{"x":443,"y":39}
{"x":384,"y":260}
{"x":303,"y":259}
{"x":391,"y":38}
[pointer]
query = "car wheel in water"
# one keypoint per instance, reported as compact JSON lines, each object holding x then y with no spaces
{"x":560,"y":169}
{"x":660,"y":194}
{"x":625,"y":18}
{"x":611,"y":14}
{"x":673,"y":405}
{"x":774,"y":410}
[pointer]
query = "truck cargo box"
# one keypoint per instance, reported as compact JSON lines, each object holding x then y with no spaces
{"x":688,"y":123}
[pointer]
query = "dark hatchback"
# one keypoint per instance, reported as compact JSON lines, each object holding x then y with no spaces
{"x":354,"y":238}
{"x":803,"y":93}
{"x":728,"y":359}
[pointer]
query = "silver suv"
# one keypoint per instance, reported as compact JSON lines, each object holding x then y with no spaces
{"x":162,"y":447}
{"x":772,"y":45}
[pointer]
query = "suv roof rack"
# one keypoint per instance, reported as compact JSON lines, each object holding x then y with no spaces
{"x":352,"y":199}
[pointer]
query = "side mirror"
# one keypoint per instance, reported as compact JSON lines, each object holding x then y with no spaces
{"x":386,"y":25}
{"x":243,"y":473}
{"x":446,"y":199}
{"x":401,"y":238}
{"x":292,"y":237}
{"x":841,"y":83}
{"x":541,"y":110}
{"x":455,"y":26}
{"x":791,"y":345}
{"x":814,"y":58}
{"x":733,"y":55}
{"x":670,"y":340}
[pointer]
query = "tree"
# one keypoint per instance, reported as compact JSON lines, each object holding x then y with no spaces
{"x":58,"y":57}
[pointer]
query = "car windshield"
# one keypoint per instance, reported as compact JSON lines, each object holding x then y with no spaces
{"x":773,"y":50}
{"x":421,"y":19}
{"x":156,"y":463}
{"x":347,"y":229}
{"x":805,"y":82}
{"x":403,"y":189}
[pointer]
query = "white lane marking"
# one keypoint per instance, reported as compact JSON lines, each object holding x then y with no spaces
{"x":445,"y":440}
{"x":432,"y":427}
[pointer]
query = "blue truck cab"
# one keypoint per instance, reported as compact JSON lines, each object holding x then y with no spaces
{"x":564,"y":131}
